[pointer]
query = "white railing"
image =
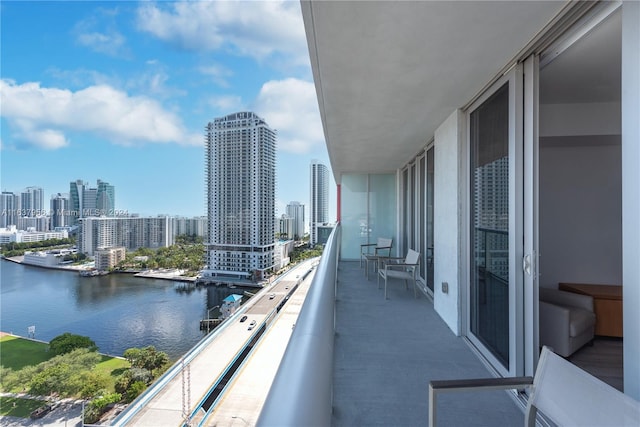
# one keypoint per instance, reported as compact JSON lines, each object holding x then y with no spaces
{"x":301,"y":392}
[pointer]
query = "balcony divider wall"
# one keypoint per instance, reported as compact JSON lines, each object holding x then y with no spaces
{"x":368,"y":211}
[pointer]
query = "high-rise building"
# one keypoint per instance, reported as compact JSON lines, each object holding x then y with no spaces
{"x":60,"y":212}
{"x":286,"y":228}
{"x":319,"y":205}
{"x":295,"y":211}
{"x":240,"y":182}
{"x":9,"y":206}
{"x":196,"y":226}
{"x":32,"y":202}
{"x":76,"y":194}
{"x":97,"y":233}
{"x":87,"y":202}
{"x":105,"y":199}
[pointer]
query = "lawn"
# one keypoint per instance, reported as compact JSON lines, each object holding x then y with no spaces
{"x":17,"y":407}
{"x":114,"y":367}
{"x":16,"y":353}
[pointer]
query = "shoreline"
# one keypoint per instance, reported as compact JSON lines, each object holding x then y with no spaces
{"x":11,"y":334}
{"x":20,"y":260}
{"x":145,"y":274}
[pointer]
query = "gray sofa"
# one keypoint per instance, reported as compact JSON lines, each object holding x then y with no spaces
{"x":567,"y":320}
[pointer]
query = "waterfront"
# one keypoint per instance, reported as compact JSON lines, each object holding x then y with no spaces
{"x":118,"y":311}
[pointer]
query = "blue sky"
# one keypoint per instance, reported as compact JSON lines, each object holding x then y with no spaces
{"x":122,"y":91}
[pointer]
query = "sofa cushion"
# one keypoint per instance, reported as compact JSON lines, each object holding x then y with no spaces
{"x":580,"y":320}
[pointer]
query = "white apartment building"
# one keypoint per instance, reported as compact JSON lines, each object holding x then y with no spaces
{"x":12,"y":234}
{"x":295,"y":211}
{"x":96,"y":233}
{"x":319,"y":193}
{"x":196,"y":226}
{"x":240,"y":182}
{"x":286,"y":229}
{"x":109,"y":258}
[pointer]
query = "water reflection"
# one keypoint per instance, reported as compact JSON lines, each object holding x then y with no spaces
{"x":117,"y":311}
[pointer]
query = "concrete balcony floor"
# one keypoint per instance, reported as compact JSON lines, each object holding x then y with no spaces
{"x":387,"y":351}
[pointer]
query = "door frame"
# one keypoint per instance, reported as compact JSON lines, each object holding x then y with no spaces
{"x":516,"y":225}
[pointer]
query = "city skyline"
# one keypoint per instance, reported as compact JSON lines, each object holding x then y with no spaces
{"x":123,"y":91}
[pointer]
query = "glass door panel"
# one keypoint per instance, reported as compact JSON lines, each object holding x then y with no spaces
{"x":489,"y":288}
{"x":429,"y":249}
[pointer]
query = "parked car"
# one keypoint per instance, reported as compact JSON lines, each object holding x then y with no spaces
{"x":243,"y":319}
{"x":251,"y":325}
{"x":41,"y":411}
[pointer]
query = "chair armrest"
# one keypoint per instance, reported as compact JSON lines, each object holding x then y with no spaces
{"x":368,"y":244}
{"x":441,"y":386}
{"x":382,"y":248}
{"x":508,"y":383}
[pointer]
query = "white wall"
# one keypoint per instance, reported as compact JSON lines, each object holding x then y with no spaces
{"x":447,"y":224}
{"x":569,"y":119}
{"x":580,"y":211}
{"x":631,"y":194}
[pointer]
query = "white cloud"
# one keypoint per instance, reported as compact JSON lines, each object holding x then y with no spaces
{"x":217,"y":73}
{"x":258,"y":29}
{"x":227,"y":103}
{"x":290,"y":106}
{"x":103,"y":40}
{"x":42,"y":116}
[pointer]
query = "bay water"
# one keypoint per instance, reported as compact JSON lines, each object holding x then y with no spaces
{"x":117,"y":311}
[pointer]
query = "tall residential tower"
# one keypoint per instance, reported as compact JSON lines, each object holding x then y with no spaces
{"x":319,"y":205}
{"x":241,"y":185}
{"x":295,"y":211}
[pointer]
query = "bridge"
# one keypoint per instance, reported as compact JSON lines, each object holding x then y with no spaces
{"x":205,"y":385}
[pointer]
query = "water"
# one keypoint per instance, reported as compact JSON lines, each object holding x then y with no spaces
{"x":117,"y":311}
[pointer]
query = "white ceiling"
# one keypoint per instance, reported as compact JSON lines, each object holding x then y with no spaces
{"x":388,"y":73}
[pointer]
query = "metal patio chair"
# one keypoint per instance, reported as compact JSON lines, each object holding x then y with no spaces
{"x":398,"y":268}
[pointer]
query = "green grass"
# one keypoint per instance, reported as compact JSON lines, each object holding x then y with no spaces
{"x":113,"y":367}
{"x":16,"y":353}
{"x":22,"y":408}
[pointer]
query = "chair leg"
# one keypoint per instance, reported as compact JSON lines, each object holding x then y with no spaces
{"x":385,"y":287}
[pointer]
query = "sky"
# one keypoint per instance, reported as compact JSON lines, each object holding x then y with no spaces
{"x":122,"y":91}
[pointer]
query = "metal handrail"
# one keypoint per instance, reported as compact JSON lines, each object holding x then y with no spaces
{"x":301,"y":392}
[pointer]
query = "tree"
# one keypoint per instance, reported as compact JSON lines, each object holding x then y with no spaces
{"x":68,"y":342}
{"x":135,"y":390}
{"x":147,"y":358}
{"x":64,"y":374}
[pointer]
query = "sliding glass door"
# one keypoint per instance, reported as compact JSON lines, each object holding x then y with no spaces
{"x":495,"y":296}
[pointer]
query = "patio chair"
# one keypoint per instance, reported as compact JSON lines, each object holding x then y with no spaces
{"x":564,"y":393}
{"x":398,"y":268}
{"x":374,"y":251}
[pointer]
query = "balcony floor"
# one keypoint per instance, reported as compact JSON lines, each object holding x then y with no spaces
{"x":387,"y":351}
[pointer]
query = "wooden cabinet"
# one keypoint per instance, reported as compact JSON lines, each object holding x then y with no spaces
{"x":607,"y":304}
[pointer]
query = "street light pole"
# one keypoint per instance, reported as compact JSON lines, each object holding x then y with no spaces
{"x":209,"y":317}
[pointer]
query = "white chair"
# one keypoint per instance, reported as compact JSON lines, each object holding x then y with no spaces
{"x":564,"y":393}
{"x":374,"y":252}
{"x":400,"y":269}
{"x":567,"y":320}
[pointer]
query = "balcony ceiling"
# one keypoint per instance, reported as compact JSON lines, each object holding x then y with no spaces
{"x":388,"y":74}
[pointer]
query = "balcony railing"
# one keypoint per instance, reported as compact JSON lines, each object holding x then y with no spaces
{"x":301,"y":393}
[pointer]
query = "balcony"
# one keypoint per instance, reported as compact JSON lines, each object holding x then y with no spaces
{"x":379,"y":361}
